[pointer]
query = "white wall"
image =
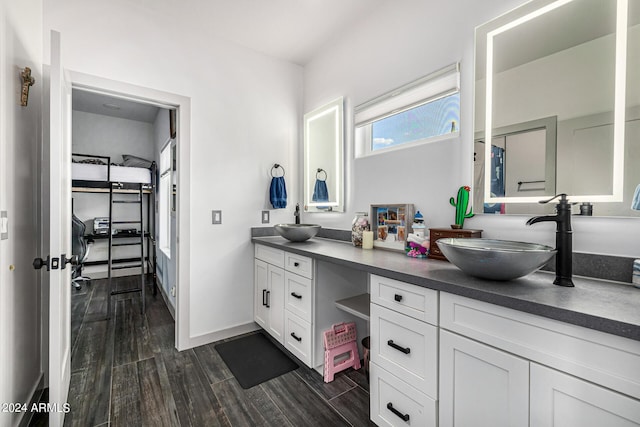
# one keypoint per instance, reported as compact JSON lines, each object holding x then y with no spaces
{"x":20,"y":136}
{"x":394,"y":45}
{"x":245,"y":114}
{"x":111,"y":136}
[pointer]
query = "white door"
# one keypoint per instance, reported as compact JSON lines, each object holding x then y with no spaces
{"x":481,"y":386}
{"x":558,"y":399}
{"x":57,"y":233}
{"x":275,"y":302}
{"x":261,"y":286}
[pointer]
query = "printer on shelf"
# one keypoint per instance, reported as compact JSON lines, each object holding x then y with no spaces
{"x":101,"y":226}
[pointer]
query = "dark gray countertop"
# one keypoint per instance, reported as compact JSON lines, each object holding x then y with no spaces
{"x":611,"y":307}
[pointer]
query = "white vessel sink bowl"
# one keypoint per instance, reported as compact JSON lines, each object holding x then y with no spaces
{"x":495,"y":259}
{"x":297,"y":232}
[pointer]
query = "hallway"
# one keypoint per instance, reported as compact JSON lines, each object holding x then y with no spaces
{"x":126,"y":372}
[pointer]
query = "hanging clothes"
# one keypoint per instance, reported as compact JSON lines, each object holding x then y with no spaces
{"x":635,"y":203}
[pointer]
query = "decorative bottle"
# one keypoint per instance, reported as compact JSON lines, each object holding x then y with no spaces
{"x":360,"y":223}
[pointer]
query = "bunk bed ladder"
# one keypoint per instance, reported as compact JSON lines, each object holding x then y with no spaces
{"x":140,"y":243}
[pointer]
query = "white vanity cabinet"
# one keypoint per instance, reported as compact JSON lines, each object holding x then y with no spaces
{"x":404,"y":353}
{"x":283,"y":299}
{"x":516,"y":369}
{"x":268,"y":298}
{"x":480,"y":385}
{"x":559,"y":399}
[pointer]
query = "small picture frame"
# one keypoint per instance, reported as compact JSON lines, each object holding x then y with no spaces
{"x":391,"y":224}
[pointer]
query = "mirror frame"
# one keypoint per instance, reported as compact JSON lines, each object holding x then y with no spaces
{"x":484,"y":49}
{"x":335,"y":108}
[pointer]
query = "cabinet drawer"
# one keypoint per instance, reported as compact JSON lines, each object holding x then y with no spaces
{"x":271,"y":255}
{"x":405,"y":347}
{"x":298,"y":264}
{"x":298,"y":295}
{"x":395,"y":403}
{"x":415,"y":301}
{"x":297,"y":337}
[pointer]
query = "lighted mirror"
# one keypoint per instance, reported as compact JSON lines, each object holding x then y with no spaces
{"x":555,"y":95}
{"x":323,"y":158}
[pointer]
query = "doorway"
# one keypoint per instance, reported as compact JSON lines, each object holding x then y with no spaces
{"x":181,"y":105}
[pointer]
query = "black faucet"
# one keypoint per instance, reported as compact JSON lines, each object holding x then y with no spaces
{"x":563,"y":239}
{"x":296,"y":214}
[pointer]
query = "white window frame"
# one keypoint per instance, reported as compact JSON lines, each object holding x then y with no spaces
{"x":434,"y":86}
{"x":165,"y":190}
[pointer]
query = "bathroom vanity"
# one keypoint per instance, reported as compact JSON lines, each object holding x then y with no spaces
{"x":446,"y":346}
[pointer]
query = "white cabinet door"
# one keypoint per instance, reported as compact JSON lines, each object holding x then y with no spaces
{"x":268,"y":298}
{"x":558,"y":399}
{"x":481,"y":386}
{"x":275,"y":302}
{"x":261,"y":286}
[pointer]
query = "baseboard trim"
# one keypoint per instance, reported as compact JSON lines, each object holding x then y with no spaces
{"x":165,"y":297}
{"x":210,"y":337}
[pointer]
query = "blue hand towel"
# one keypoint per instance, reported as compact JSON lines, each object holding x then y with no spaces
{"x":635,"y":204}
{"x":278,"y":192}
{"x":320,"y":192}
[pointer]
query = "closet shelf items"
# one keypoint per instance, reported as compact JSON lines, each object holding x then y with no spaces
{"x":96,"y":174}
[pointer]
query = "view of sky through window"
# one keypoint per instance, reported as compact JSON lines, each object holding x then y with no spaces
{"x":434,"y":118}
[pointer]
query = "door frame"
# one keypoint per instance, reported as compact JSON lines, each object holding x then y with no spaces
{"x":182,"y":104}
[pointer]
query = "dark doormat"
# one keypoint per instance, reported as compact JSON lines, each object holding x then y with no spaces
{"x":254,"y":359}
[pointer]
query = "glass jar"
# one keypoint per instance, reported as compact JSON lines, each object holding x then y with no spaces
{"x":360,"y":223}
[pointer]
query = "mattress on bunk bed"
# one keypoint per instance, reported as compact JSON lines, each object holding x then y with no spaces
{"x":91,"y":172}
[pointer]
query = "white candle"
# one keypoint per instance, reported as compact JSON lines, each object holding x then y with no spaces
{"x":367,"y":240}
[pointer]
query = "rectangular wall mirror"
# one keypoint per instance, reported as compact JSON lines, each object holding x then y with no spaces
{"x":556,"y":93}
{"x":323,"y":158}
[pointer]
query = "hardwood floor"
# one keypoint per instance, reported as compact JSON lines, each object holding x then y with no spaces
{"x":126,"y":372}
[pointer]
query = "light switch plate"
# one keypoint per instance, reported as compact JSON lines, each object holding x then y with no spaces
{"x":216,"y":217}
{"x":4,"y":225}
{"x":265,"y":217}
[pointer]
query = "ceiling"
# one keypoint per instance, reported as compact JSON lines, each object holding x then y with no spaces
{"x":290,"y":30}
{"x":97,"y":103}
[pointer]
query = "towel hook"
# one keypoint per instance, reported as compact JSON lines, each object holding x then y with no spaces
{"x":277,"y":166}
{"x":325,"y":174}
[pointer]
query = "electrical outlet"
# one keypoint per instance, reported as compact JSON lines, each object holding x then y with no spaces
{"x":216,"y":217}
{"x":173,"y":291}
{"x":265,"y":217}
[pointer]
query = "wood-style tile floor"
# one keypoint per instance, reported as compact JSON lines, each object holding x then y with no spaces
{"x":126,"y":372}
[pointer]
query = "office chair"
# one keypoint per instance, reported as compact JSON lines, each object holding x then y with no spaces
{"x":79,"y":247}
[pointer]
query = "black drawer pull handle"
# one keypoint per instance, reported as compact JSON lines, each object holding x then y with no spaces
{"x":296,"y":264}
{"x":295,"y":337}
{"x":397,"y":297}
{"x":264,"y":297}
{"x":404,"y":417}
{"x":268,"y":299}
{"x":406,"y":350}
{"x":293,"y":294}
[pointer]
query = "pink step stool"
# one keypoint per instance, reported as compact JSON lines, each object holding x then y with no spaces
{"x":339,"y":340}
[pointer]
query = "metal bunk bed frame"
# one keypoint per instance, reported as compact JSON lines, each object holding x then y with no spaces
{"x":114,"y":187}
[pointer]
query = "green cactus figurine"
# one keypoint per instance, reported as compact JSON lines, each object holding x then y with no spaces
{"x":461,"y":203}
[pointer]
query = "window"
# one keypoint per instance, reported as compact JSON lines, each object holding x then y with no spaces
{"x":424,"y":110}
{"x":164,"y":200}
